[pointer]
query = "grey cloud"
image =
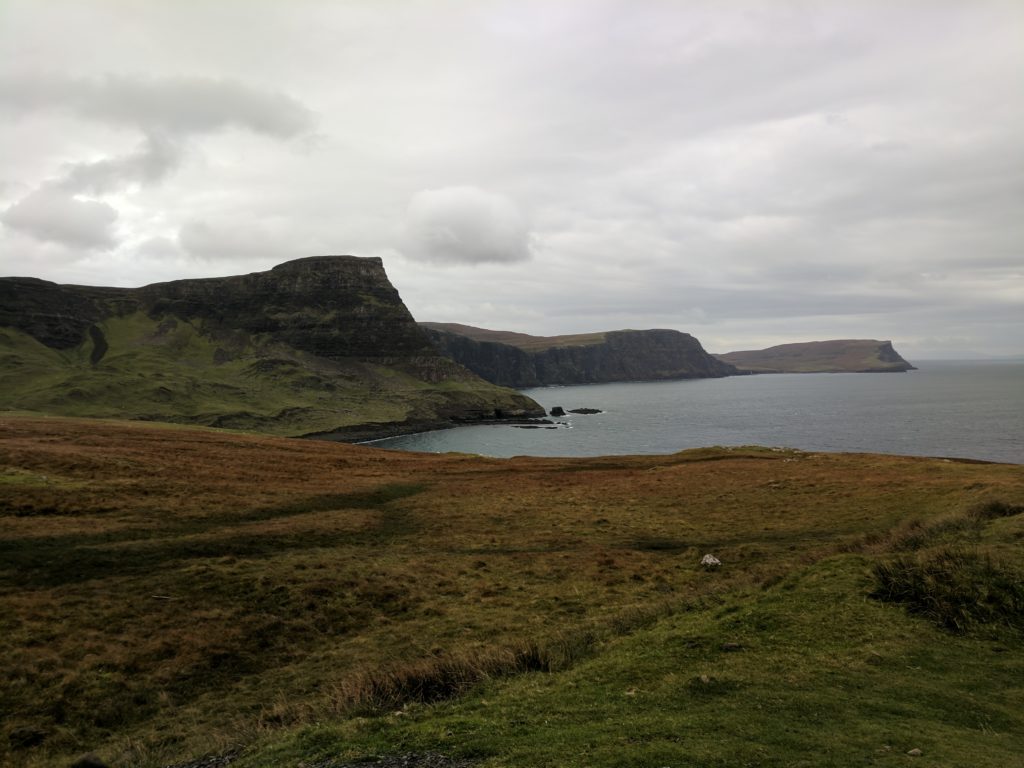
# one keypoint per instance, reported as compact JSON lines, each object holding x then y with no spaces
{"x":151,"y":162}
{"x":464,"y":225}
{"x":178,"y":106}
{"x":52,"y":215}
{"x":753,"y":172}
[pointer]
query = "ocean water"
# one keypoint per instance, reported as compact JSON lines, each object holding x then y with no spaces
{"x":969,"y":410}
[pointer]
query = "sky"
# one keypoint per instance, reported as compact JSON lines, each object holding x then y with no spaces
{"x":753,"y":173}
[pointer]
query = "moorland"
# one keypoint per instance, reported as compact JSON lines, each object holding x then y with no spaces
{"x":169,"y":592}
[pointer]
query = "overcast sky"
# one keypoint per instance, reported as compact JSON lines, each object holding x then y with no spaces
{"x":750,"y":172}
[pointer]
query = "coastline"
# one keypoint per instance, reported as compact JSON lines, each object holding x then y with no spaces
{"x":361,"y":434}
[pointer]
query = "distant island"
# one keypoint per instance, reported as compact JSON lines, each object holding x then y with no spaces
{"x":316,"y":346}
{"x":836,"y":356}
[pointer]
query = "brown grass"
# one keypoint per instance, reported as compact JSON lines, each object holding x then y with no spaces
{"x":164,"y":589}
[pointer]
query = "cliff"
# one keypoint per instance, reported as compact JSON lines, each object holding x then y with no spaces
{"x":834,"y":356}
{"x":519,"y":360}
{"x":322,"y":345}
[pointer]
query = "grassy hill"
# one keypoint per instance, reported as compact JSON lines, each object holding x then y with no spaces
{"x":154,"y":371}
{"x":834,"y":356}
{"x":319,"y":345}
{"x":168,"y":592}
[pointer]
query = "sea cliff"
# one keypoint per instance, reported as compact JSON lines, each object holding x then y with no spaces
{"x":519,"y":360}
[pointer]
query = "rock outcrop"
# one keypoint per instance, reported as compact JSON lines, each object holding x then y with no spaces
{"x":834,"y":356}
{"x":529,"y":361}
{"x":319,"y":345}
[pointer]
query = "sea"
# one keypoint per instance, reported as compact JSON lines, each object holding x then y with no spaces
{"x":970,"y":410}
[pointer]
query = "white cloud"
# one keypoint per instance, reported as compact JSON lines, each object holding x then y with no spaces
{"x":53,"y":215}
{"x":464,"y":225}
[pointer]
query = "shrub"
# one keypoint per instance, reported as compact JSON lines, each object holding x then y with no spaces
{"x":990,"y":510}
{"x":957,"y":589}
{"x":917,"y":535}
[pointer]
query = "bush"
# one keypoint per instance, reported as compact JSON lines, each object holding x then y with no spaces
{"x":990,"y":510}
{"x":955,"y":588}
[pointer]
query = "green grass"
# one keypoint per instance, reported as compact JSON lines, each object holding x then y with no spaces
{"x":173,"y":370}
{"x":851,"y":682}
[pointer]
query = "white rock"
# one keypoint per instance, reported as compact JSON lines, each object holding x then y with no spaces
{"x":710,"y":561}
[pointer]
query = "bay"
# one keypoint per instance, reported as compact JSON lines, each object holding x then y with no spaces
{"x":971,"y":410}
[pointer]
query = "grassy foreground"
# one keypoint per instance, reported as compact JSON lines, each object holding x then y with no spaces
{"x":167,"y":592}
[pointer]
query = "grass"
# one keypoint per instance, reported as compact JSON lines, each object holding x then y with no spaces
{"x":174,"y":370}
{"x":958,"y":589}
{"x":167,"y":592}
{"x":862,"y":688}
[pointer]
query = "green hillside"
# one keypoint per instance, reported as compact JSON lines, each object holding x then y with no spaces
{"x":313,"y":346}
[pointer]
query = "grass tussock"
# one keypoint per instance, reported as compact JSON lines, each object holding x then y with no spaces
{"x":958,"y":589}
{"x":917,"y":535}
{"x":993,"y":510}
{"x":448,"y":675}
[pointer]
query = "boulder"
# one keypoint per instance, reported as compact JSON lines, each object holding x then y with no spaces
{"x":710,"y":562}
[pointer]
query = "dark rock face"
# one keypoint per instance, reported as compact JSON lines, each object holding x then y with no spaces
{"x":56,"y":315}
{"x":622,"y":356}
{"x":327,"y":305}
{"x":330,"y":306}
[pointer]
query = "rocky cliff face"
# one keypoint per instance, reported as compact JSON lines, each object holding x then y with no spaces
{"x":612,"y":356}
{"x":322,"y":344}
{"x":331,"y":306}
